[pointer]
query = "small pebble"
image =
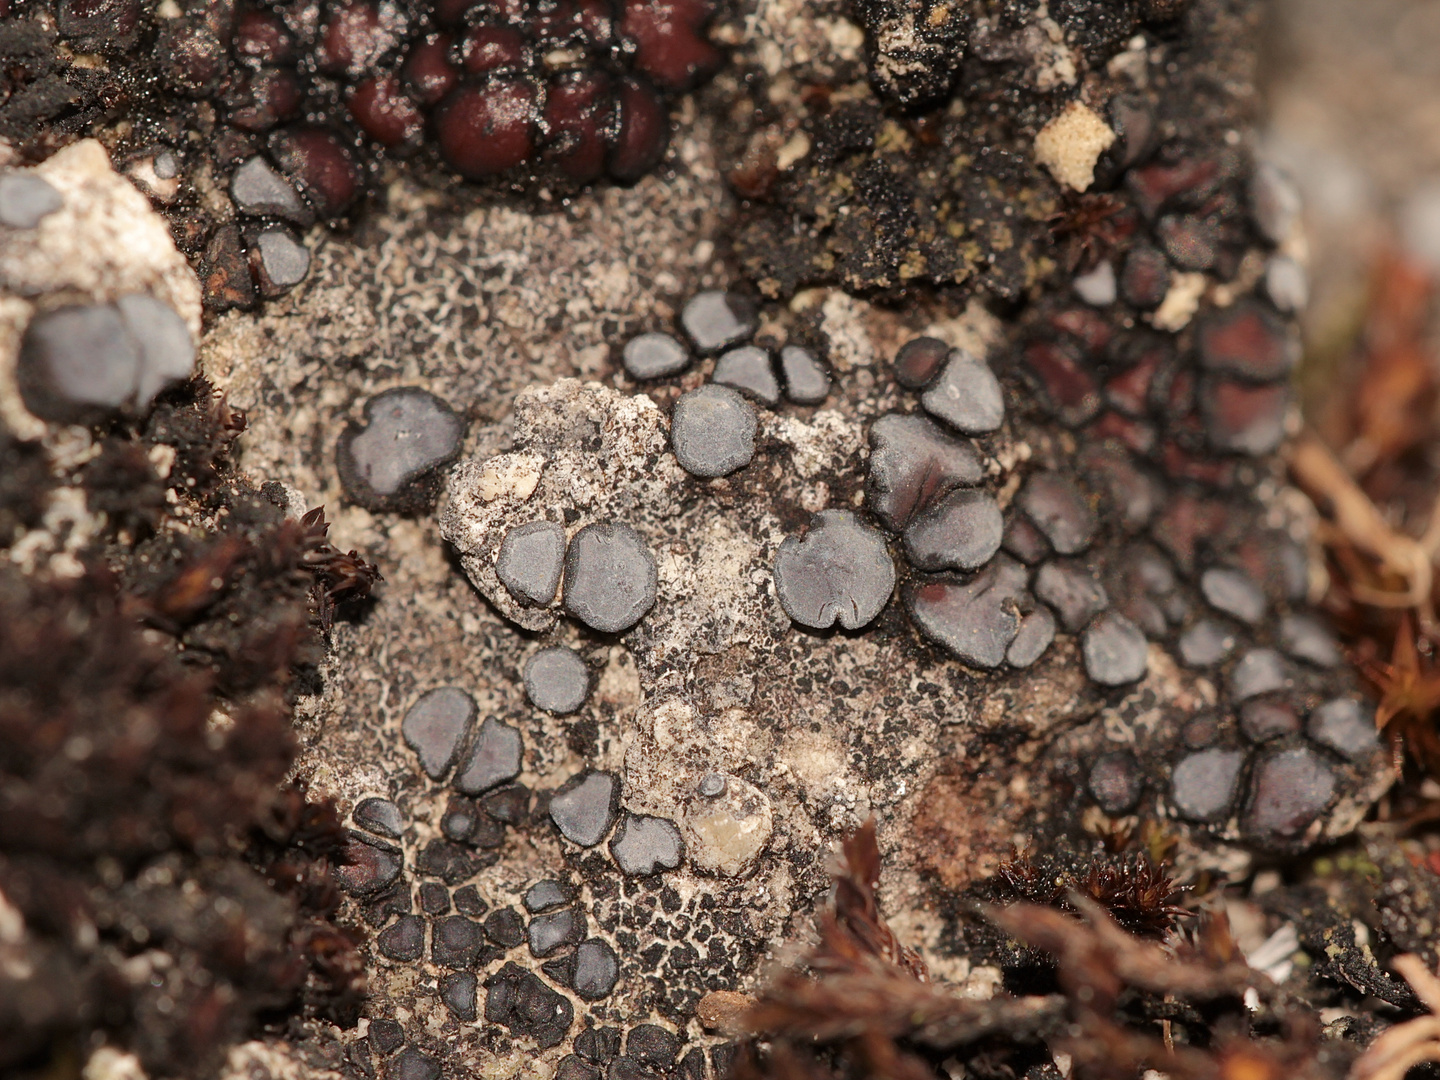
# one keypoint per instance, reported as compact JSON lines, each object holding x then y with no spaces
{"x":521,"y":1002}
{"x":458,"y":991}
{"x":913,"y":463}
{"x":435,"y":898}
{"x":716,"y":320}
{"x":505,"y":927}
{"x":1205,"y":644}
{"x":404,"y":940}
{"x":379,"y":816}
{"x":389,"y":462}
{"x":1234,"y":593}
{"x":919,"y":360}
{"x":531,"y":560}
{"x":284,"y":260}
{"x":411,"y":1064}
{"x":259,"y":190}
{"x":1036,"y":633}
{"x":468,"y":901}
{"x":1073,"y":591}
{"x":557,"y":680}
{"x":544,"y":895}
{"x":436,"y":726}
{"x":1203,"y":784}
{"x":652,"y":1045}
{"x":584,"y":807}
{"x":610,"y":577}
{"x":26,"y":200}
{"x":554,"y":930}
{"x":456,"y":942}
{"x":367,"y":866}
{"x":1097,"y":288}
{"x":975,"y":621}
{"x":597,"y":969}
{"x":1346,"y":726}
{"x":1114,"y":650}
{"x":1264,"y":718}
{"x":806,"y":380}
{"x":495,"y":756}
{"x":712,"y":431}
{"x":1116,"y":782}
{"x":839,"y":571}
{"x":1259,"y":671}
{"x":1304,"y":638}
{"x":962,"y":531}
{"x":1060,"y":511}
{"x":645,"y":845}
{"x":967,"y":396}
{"x":654,"y":356}
{"x":749,"y":370}
{"x":1288,"y":791}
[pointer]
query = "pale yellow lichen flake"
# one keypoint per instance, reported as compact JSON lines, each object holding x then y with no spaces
{"x":1071,"y":143}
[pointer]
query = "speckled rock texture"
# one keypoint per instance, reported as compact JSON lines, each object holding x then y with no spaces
{"x":1071,"y":684}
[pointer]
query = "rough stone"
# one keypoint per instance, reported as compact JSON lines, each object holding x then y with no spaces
{"x":806,"y":380}
{"x":716,"y":320}
{"x":531,"y":560}
{"x":974,"y":620}
{"x":645,"y":845}
{"x":557,"y":680}
{"x":914,"y":463}
{"x":712,"y":431}
{"x":725,"y":834}
{"x":654,"y":356}
{"x":1114,"y":650}
{"x":840,"y":571}
{"x":962,"y":531}
{"x":435,"y":727}
{"x":748,"y":369}
{"x":496,"y":755}
{"x":1203,"y":784}
{"x":584,"y":807}
{"x":967,"y":396}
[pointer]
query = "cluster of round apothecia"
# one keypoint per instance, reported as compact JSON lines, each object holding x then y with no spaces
{"x":462,"y":936}
{"x":287,"y":106}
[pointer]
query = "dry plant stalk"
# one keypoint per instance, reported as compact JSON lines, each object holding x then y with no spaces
{"x":1412,"y":1043}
